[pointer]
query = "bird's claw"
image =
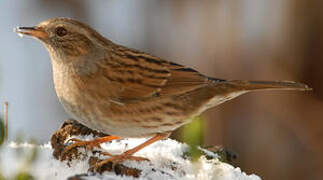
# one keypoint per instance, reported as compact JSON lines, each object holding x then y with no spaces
{"x":72,"y":148}
{"x":113,"y":160}
{"x":74,"y":140}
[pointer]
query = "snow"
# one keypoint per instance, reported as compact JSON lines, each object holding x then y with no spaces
{"x":209,"y":153}
{"x":163,"y":155}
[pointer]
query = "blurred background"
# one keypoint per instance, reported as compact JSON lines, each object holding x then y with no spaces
{"x":278,"y":135}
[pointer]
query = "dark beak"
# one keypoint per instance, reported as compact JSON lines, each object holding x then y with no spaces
{"x":32,"y":31}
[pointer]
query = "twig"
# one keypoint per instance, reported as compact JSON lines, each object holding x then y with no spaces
{"x":5,"y":121}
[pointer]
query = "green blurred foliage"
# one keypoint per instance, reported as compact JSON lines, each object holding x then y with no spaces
{"x":193,"y":135}
{"x":27,"y":159}
{"x":23,"y":176}
{"x":2,"y":133}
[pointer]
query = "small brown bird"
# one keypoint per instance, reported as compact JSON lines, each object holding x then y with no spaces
{"x":127,"y":93}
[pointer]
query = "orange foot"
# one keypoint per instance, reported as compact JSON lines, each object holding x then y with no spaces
{"x":128,"y":155}
{"x":89,"y":145}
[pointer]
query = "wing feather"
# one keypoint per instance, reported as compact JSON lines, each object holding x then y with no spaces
{"x":139,"y":75}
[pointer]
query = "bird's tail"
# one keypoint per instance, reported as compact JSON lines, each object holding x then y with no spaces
{"x":267,"y":85}
{"x":226,"y":90}
{"x":239,"y":87}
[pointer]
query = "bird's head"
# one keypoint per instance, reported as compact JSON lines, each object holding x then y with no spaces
{"x":66,"y":38}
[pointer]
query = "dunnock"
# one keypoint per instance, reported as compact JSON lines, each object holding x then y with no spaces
{"x":127,"y":93}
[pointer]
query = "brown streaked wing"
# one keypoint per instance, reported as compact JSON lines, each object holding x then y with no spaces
{"x":136,"y":74}
{"x":139,"y":75}
{"x":183,"y":79}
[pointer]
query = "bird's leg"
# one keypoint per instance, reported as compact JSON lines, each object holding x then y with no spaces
{"x":128,"y":155}
{"x":89,"y":144}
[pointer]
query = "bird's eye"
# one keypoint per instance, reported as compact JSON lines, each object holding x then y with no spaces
{"x":60,"y":31}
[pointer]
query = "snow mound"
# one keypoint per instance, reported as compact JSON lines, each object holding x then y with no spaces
{"x":162,"y":154}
